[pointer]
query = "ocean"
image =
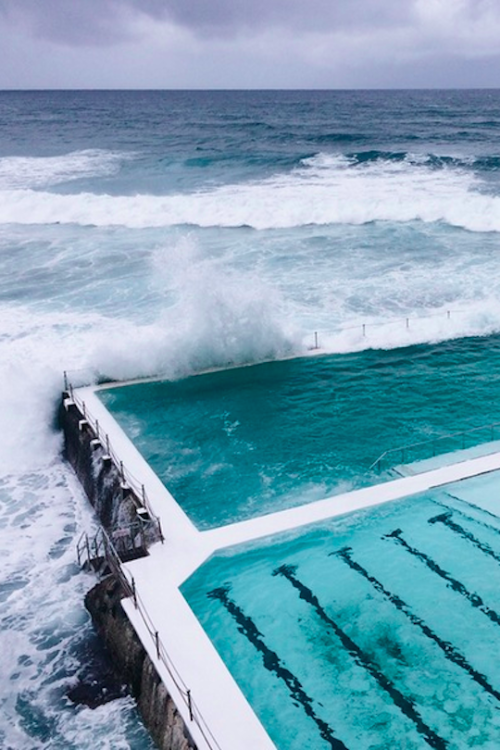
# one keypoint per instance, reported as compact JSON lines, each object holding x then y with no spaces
{"x":147,"y":233}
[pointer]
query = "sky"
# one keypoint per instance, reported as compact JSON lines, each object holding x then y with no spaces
{"x":178,"y":44}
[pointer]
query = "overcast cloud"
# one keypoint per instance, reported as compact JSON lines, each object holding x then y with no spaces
{"x":249,"y":43}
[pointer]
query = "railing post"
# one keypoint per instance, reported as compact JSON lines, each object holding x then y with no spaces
{"x":107,"y":445}
{"x":65,"y":380}
{"x":316,"y":340}
{"x":190,"y":706}
{"x":134,"y":594}
{"x":162,"y":538}
{"x":97,"y":428}
{"x":364,"y":330}
{"x":407,"y":322}
{"x":157,"y":643}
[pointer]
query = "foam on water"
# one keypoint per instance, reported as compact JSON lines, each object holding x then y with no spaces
{"x":43,"y":622}
{"x":18,"y":172}
{"x":324,"y":190}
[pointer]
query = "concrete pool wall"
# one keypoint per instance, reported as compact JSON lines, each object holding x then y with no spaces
{"x":217,"y":710}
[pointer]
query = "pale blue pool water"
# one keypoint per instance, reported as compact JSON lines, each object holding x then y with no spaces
{"x":239,"y":443}
{"x":341,"y":636}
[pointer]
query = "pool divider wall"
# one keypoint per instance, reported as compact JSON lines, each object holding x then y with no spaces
{"x":116,"y":507}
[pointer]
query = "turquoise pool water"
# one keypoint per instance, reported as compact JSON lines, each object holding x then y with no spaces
{"x":375,"y":630}
{"x":235,"y":444}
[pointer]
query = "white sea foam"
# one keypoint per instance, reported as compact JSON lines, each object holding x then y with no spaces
{"x":18,"y":172}
{"x":324,"y":190}
{"x":42,"y":617}
{"x":469,"y":319}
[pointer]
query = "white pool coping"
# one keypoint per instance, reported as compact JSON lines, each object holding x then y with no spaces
{"x":158,"y":577}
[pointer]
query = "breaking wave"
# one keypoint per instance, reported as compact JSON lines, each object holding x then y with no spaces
{"x":325,"y":189}
{"x":18,"y":172}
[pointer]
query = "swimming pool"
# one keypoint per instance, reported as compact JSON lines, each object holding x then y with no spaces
{"x":239,"y":443}
{"x":372,"y":630}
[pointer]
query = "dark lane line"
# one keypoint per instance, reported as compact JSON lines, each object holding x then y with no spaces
{"x":272,"y":662}
{"x":448,"y":649}
{"x":446,"y":520}
{"x":483,"y":511}
{"x":404,"y":704}
{"x":474,"y":599}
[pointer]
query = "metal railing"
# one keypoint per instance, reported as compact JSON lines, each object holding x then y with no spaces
{"x":101,"y":546}
{"x":126,"y":476}
{"x":407,"y":322}
{"x":432,"y":447}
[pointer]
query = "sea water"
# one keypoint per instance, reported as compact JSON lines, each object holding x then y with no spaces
{"x":171,"y":232}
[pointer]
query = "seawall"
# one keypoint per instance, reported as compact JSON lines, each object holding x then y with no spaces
{"x":155,"y":705}
{"x":130,"y":529}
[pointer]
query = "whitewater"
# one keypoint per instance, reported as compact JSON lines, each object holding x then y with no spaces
{"x":146,"y":233}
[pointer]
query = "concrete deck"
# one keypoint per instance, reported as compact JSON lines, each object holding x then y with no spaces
{"x":158,"y":578}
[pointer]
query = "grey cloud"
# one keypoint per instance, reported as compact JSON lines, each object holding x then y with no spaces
{"x":100,"y":22}
{"x":71,"y":22}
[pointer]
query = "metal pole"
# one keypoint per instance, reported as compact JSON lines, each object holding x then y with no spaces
{"x":97,"y":428}
{"x":316,"y":340}
{"x":65,"y":380}
{"x":448,"y":313}
{"x":157,"y":642}
{"x":162,"y":538}
{"x":364,"y":329}
{"x":190,"y":705}
{"x":407,"y":322}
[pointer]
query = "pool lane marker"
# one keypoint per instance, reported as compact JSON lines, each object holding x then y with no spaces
{"x":273,"y":663}
{"x":473,"y":598}
{"x":405,"y":704}
{"x":446,"y":520}
{"x":448,"y":649}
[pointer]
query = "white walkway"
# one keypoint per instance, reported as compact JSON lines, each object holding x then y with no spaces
{"x":158,"y":577}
